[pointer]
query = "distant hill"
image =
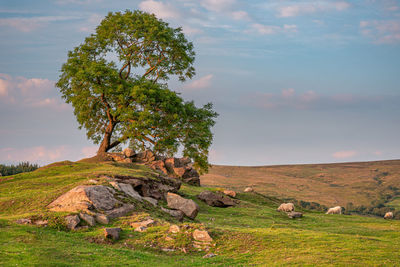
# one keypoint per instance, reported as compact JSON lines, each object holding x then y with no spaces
{"x":361,"y":183}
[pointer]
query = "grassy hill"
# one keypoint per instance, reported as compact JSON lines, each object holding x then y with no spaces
{"x":360,"y":183}
{"x":252,"y":233}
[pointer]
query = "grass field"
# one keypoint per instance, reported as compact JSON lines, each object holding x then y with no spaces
{"x":252,"y":233}
{"x":360,"y":183}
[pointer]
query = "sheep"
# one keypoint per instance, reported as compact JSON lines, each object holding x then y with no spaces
{"x":388,"y":215}
{"x":335,"y":210}
{"x":286,"y":207}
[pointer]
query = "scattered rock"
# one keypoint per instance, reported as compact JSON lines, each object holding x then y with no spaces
{"x":216,"y":200}
{"x":174,"y":229}
{"x":151,"y":200}
{"x":144,"y":157}
{"x":41,"y":222}
{"x":112,"y":233}
{"x":121,"y":211}
{"x":294,"y":214}
{"x":388,"y":215}
{"x":80,"y":228}
{"x":180,"y":171}
{"x":192,"y":181}
{"x":230,"y":193}
{"x":187,"y":206}
{"x":85,"y":197}
{"x":159,"y":165}
{"x":117,"y":156}
{"x":209,"y":255}
{"x":145,"y":223}
{"x":248,"y":189}
{"x":72,"y":221}
{"x":101,"y":218}
{"x":23,"y":221}
{"x":140,"y":229}
{"x":128,"y":152}
{"x":202,"y":235}
{"x":88,"y":219}
{"x":169,"y":164}
{"x":177,"y":214}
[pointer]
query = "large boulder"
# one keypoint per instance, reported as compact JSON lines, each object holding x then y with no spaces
{"x":187,"y":206}
{"x":216,"y":200}
{"x":84,"y":198}
{"x":177,"y":214}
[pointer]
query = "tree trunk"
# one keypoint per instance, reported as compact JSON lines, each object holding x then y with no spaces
{"x":105,"y":144}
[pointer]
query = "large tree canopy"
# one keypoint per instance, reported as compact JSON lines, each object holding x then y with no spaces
{"x":114,"y":82}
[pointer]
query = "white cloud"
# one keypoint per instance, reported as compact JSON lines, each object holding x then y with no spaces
{"x":288,"y":92}
{"x":31,"y":24}
{"x":202,"y":82}
{"x":34,"y":92}
{"x":191,"y":30}
{"x":271,"y":29}
{"x":240,"y":15}
{"x":160,"y":9}
{"x":310,"y":8}
{"x":344,"y":154}
{"x":218,"y":5}
{"x":308,"y":96}
{"x":381,"y":31}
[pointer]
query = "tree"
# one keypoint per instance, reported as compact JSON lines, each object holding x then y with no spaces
{"x":114,"y":81}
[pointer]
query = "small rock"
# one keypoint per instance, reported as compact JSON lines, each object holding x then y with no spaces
{"x":216,"y":200}
{"x":209,"y":255}
{"x":187,"y":206}
{"x":167,"y":249}
{"x":41,"y":222}
{"x":140,"y":229}
{"x":129,"y":152}
{"x":92,"y":181}
{"x":201,"y":235}
{"x":121,"y":211}
{"x":294,"y":214}
{"x":177,"y":214}
{"x":151,"y":200}
{"x":174,"y":229}
{"x":84,"y":227}
{"x":112,"y":233}
{"x":23,"y":221}
{"x":101,"y":218}
{"x":145,"y":223}
{"x":248,"y":189}
{"x":88,"y":219}
{"x":72,"y":221}
{"x":230,"y":193}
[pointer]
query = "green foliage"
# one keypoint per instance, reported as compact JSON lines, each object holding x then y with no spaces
{"x":19,"y":168}
{"x":113,"y":82}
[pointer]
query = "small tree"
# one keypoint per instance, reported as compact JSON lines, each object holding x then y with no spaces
{"x":114,"y":83}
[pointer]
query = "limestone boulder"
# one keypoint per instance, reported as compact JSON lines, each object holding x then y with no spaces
{"x":90,"y":220}
{"x":101,"y":218}
{"x":202,"y":236}
{"x":129,"y":152}
{"x":187,"y":206}
{"x":112,"y":233}
{"x":84,"y":198}
{"x":177,"y":214}
{"x":216,"y":200}
{"x":127,"y":189}
{"x":72,"y":221}
{"x":121,"y":211}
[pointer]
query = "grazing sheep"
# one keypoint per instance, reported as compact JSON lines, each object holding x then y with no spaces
{"x":388,"y":215}
{"x":286,"y":207}
{"x":335,"y":210}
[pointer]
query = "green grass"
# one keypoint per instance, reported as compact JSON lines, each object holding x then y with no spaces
{"x":253,"y":233}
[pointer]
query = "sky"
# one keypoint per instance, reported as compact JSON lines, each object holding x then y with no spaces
{"x":293,"y":81}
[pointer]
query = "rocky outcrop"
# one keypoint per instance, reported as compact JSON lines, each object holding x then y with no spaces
{"x":85,"y":198}
{"x":216,"y":200}
{"x":187,"y":206}
{"x":181,"y":168}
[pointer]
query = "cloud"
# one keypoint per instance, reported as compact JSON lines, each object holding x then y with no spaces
{"x":310,"y":8}
{"x":202,"y":82}
{"x":91,"y":23}
{"x":381,"y":31}
{"x":240,"y":15}
{"x":160,"y":9}
{"x":24,"y":92}
{"x":271,"y":29}
{"x":191,"y":30}
{"x":78,"y":2}
{"x":288,"y":92}
{"x":344,"y":154}
{"x":32,"y":23}
{"x":218,"y":5}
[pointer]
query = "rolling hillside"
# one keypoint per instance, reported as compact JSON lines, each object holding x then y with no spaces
{"x":250,"y":234}
{"x":360,"y":183}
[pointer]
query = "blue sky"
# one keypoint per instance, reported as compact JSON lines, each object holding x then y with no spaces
{"x":293,"y":81}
